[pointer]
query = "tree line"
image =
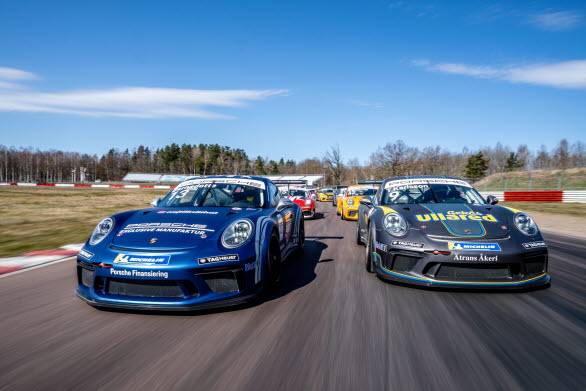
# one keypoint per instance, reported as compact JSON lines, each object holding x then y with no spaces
{"x":391,"y":159}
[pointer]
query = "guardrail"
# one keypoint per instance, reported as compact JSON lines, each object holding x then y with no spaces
{"x":86,"y":185}
{"x":539,"y":196}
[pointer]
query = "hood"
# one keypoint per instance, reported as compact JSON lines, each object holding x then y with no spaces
{"x":176,"y":228}
{"x":460,"y":220}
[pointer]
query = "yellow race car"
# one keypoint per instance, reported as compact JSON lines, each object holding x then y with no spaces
{"x":349,"y":201}
{"x":325,"y":195}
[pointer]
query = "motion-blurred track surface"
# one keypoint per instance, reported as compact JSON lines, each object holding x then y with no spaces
{"x":330,"y":326}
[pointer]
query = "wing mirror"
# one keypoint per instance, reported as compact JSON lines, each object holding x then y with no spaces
{"x":155,"y":202}
{"x":284,"y":203}
{"x":366,"y":200}
{"x":492,"y":200}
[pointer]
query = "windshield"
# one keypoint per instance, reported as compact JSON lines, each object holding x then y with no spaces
{"x":357,"y":191}
{"x":210,"y":194}
{"x":327,"y":191}
{"x":431,"y":193}
{"x":297,"y":193}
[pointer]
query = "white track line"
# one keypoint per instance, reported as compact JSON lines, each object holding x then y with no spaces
{"x":37,"y":267}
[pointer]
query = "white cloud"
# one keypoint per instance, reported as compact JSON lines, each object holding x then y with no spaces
{"x":130,"y":102}
{"x":557,"y":21}
{"x":567,"y":74}
{"x":367,"y":104}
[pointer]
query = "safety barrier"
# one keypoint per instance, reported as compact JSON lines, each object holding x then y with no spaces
{"x":87,"y":185}
{"x":539,"y":196}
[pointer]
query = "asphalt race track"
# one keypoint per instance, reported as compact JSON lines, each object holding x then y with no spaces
{"x":330,"y":326}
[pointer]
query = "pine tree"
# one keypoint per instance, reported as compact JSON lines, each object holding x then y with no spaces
{"x":476,"y":167}
{"x":513,"y":162}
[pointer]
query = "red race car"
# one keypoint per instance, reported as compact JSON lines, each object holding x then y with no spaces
{"x":303,"y":198}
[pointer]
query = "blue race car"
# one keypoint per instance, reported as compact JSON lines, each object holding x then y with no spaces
{"x":212,"y":241}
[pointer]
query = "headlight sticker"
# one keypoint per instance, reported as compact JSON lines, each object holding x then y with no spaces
{"x":218,"y":258}
{"x":463,"y":246}
{"x":86,"y":254}
{"x":534,"y":245}
{"x":404,"y":243}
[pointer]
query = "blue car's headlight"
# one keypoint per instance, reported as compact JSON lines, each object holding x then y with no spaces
{"x":237,"y":233}
{"x":395,"y":224}
{"x":525,"y":224}
{"x":102,"y":230}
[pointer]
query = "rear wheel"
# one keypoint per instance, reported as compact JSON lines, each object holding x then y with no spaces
{"x":368,"y":253}
{"x":301,"y":237}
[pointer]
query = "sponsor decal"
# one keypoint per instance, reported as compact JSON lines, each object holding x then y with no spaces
{"x":236,"y":208}
{"x":476,"y":258}
{"x":406,"y":243}
{"x":195,"y":229}
{"x":203,"y":236}
{"x":464,"y":246}
{"x":380,"y":246}
{"x":153,"y":240}
{"x":218,"y":258}
{"x":204,"y":182}
{"x":456,"y":215}
{"x":191,"y":212}
{"x":531,"y":245}
{"x":142,"y":259}
{"x":86,"y":254}
{"x":249,"y":266}
{"x":419,"y":182}
{"x":138,"y":273}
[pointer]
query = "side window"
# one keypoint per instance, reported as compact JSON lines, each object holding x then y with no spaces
{"x":275,"y":195}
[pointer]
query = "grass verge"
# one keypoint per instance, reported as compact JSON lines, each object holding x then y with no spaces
{"x":561,"y":208}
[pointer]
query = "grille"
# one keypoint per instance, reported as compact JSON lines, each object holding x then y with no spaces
{"x":535,"y":267}
{"x":483,"y":272}
{"x":223,"y":282}
{"x":403,"y":263}
{"x":87,"y":277}
{"x":143,"y":288}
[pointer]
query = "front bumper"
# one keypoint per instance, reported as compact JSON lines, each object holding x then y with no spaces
{"x":519,"y":270}
{"x":174,"y":289}
{"x":308,"y":213}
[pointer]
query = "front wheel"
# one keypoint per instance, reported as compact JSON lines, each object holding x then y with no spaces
{"x":358,"y":238}
{"x":301,"y":237}
{"x":368,"y":253}
{"x":273,"y":264}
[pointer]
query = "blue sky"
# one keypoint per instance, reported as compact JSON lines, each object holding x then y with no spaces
{"x":290,"y":78}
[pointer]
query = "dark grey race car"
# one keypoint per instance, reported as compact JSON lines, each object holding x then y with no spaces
{"x":439,"y":231}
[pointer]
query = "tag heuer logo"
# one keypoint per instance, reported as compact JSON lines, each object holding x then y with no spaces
{"x":153,"y":240}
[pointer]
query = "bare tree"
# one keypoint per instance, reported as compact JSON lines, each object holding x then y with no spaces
{"x":334,"y":164}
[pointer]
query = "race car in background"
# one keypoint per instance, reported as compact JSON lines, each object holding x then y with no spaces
{"x":212,"y":241}
{"x":439,"y":231}
{"x":338,"y":190}
{"x":325,"y":195}
{"x":349,"y":201}
{"x":302,"y":197}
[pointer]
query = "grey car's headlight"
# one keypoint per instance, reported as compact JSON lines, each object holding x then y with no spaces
{"x":102,"y":230}
{"x":395,"y":224}
{"x":350,"y":201}
{"x":237,"y":233}
{"x":525,"y":224}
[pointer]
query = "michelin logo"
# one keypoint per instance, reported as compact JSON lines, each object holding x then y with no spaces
{"x":474,"y":246}
{"x":142,"y":259}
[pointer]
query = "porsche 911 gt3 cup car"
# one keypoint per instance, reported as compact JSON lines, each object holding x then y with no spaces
{"x":325,"y":195}
{"x":438,"y":231}
{"x":302,"y":198}
{"x":338,"y":191}
{"x":212,"y":241}
{"x":349,"y":201}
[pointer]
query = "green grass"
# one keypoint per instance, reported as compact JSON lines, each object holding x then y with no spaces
{"x":563,"y":208}
{"x":46,"y":218}
{"x":571,"y":179}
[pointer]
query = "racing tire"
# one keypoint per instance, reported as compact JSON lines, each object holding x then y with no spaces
{"x":358,"y":238}
{"x":301,"y":238}
{"x":368,"y":253}
{"x":273,"y":263}
{"x":342,"y":214}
